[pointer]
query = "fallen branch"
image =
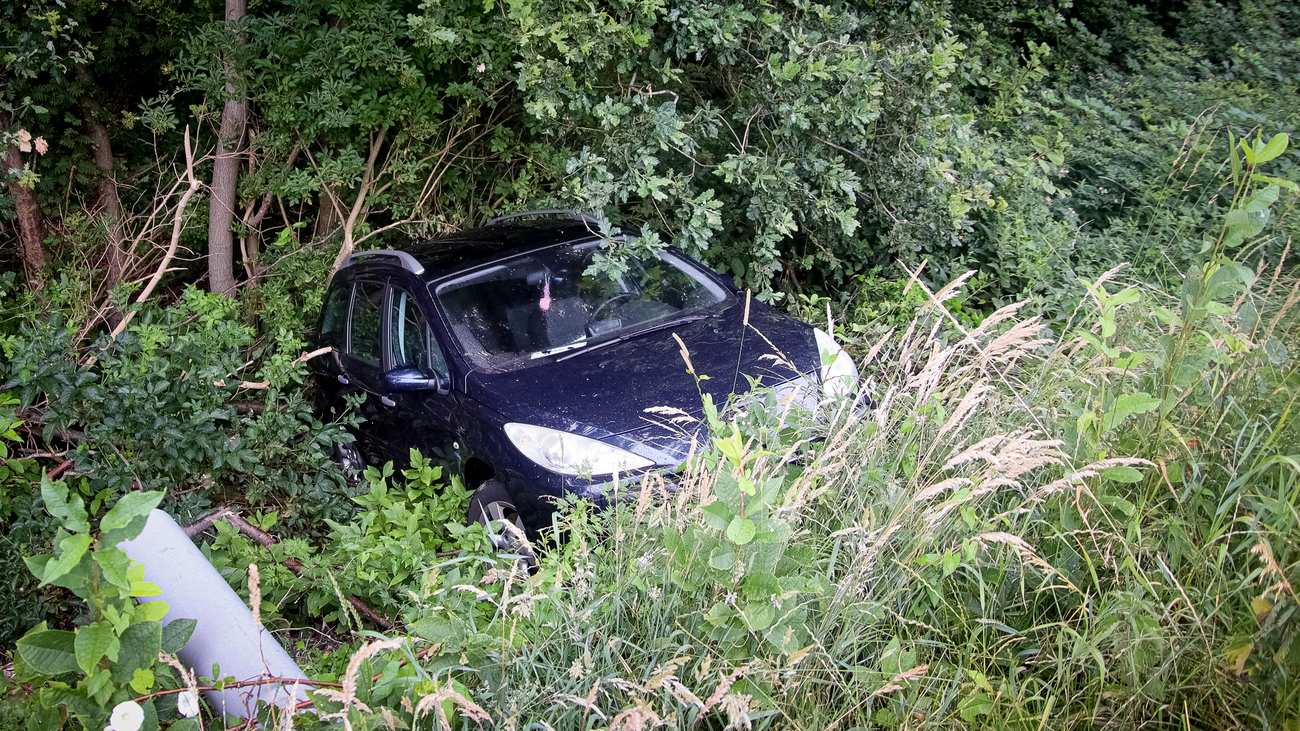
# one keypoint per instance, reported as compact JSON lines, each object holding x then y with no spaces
{"x":248,"y":683}
{"x":62,"y":467}
{"x":263,"y":385}
{"x":267,"y":540}
{"x":178,"y":224}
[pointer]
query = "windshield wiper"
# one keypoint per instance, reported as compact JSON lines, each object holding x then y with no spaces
{"x":635,"y":333}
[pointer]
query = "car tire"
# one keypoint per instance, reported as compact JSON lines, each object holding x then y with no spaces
{"x":350,"y":462}
{"x":490,"y":506}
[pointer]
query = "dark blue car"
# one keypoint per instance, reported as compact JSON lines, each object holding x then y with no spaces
{"x":495,"y":351}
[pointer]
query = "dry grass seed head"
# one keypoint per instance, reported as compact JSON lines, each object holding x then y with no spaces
{"x":1078,"y":476}
{"x":901,"y":680}
{"x":469,"y":709}
{"x":347,"y":696}
{"x":1271,"y":570}
{"x":255,"y":593}
{"x":637,"y":718}
{"x":736,"y":707}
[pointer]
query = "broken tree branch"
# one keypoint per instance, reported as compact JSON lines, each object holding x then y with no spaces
{"x":359,"y":204}
{"x":178,"y":223}
{"x":267,"y":540}
{"x":263,"y":385}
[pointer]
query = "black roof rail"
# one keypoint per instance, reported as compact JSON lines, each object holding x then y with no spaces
{"x":546,"y":213}
{"x":404,"y":259}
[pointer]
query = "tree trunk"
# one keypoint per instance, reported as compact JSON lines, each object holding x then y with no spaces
{"x":327,"y":217}
{"x":109,"y":204}
{"x":31,"y":222}
{"x":225,"y":177}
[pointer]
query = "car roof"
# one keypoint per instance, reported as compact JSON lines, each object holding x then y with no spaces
{"x":454,"y":253}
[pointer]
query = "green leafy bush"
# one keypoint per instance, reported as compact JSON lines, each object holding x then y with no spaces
{"x":166,"y":405}
{"x":112,"y":657}
{"x":386,"y":555}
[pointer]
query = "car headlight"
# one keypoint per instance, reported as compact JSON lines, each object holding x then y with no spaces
{"x":570,"y":454}
{"x":839,"y":373}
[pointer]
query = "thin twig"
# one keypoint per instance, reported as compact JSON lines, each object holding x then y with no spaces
{"x":178,"y":222}
{"x":267,"y":540}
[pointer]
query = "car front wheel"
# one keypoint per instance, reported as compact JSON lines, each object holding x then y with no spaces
{"x":492,"y":507}
{"x":350,"y":463}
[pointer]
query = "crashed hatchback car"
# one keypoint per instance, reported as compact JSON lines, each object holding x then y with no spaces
{"x":499,"y":352}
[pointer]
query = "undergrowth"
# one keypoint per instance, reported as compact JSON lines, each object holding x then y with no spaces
{"x":1008,"y":528}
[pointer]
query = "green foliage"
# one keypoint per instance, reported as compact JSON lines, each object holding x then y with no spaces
{"x":164,"y":405}
{"x":1099,"y":534}
{"x":740,"y":555}
{"x":113,"y":655}
{"x":25,"y":527}
{"x":402,"y":530}
{"x":871,"y":304}
{"x":398,"y":534}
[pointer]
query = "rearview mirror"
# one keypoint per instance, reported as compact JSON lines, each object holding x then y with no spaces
{"x":401,"y":380}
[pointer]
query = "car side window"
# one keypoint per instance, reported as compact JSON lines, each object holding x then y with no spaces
{"x":367,"y":311}
{"x":334,"y":321}
{"x":409,"y":337}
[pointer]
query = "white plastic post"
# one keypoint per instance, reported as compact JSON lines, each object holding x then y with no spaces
{"x":226,"y":634}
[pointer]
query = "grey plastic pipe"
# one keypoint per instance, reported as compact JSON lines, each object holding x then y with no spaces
{"x":226,"y":634}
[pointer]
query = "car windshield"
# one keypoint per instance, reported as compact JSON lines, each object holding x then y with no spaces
{"x":546,"y":302}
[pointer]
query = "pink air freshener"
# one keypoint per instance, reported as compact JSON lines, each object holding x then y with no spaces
{"x":544,"y":304}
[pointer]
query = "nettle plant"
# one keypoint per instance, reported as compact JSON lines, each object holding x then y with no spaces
{"x":1215,"y":326}
{"x":741,"y":550}
{"x":402,"y":527}
{"x":96,"y":673}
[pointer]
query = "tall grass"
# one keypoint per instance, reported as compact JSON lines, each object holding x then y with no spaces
{"x":1025,"y":531}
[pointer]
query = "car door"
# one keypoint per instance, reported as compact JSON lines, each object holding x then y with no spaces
{"x":363,"y":363}
{"x":331,"y":379}
{"x":423,"y":419}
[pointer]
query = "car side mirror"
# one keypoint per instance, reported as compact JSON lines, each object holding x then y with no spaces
{"x":404,"y":380}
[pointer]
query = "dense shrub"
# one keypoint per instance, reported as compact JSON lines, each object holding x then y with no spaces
{"x":172,"y":405}
{"x":1072,"y":505}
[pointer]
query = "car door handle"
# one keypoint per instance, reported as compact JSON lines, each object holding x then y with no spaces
{"x":343,"y":380}
{"x":387,"y":401}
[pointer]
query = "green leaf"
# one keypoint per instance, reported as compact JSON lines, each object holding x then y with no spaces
{"x":71,"y":550}
{"x":114,"y":566}
{"x":1282,"y":183}
{"x":741,"y":530}
{"x":758,"y":615}
{"x":1275,"y":146}
{"x":974,"y":705}
{"x":717,"y":514}
{"x":176,"y":634}
{"x":142,"y":680}
{"x":1240,"y":224}
{"x":66,"y":507}
{"x":132,"y":507}
{"x":951,"y":560}
{"x":1123,"y":473}
{"x":1262,"y":199}
{"x":1119,"y":503}
{"x":94,"y":642}
{"x":140,"y":644}
{"x":722,"y":557}
{"x":1126,"y":405}
{"x":50,"y":652}
{"x":152,"y":611}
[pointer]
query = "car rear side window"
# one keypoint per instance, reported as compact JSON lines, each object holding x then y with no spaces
{"x":367,"y":309}
{"x":333,"y":326}
{"x":410,"y":338}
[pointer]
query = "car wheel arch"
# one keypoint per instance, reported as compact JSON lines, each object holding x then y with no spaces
{"x":476,"y":471}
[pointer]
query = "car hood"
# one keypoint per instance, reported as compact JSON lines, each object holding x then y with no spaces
{"x":628,"y":385}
